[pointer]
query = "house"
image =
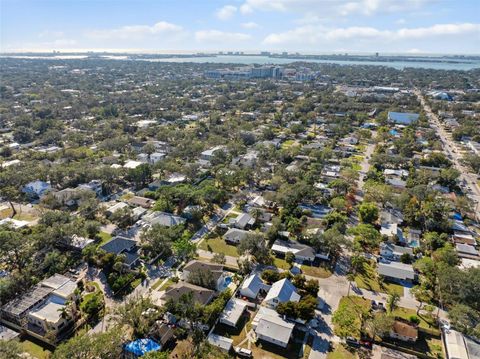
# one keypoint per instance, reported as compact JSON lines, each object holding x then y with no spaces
{"x":271,"y":327}
{"x":79,"y":243}
{"x":48,"y":316}
{"x":234,"y":235}
{"x":141,"y":201}
{"x":396,"y":271}
{"x":463,"y":237}
{"x":132,"y":164}
{"x":39,"y":309}
{"x":68,"y":196}
{"x":209,"y":154}
{"x":391,"y":230}
{"x":456,"y":345}
{"x":466,"y":250}
{"x":302,"y":252}
{"x":223,"y":343}
{"x":201,"y":295}
{"x":404,"y":331}
{"x":152,"y":158}
{"x":125,"y":247}
{"x":163,"y":219}
{"x":243,"y":220}
{"x":216,"y":270}
{"x":402,"y":118}
{"x":116,"y":207}
{"x":94,"y":185}
{"x":232,"y":312}
{"x":316,"y":211}
{"x":393,"y":252}
{"x":281,"y":292}
{"x":252,"y":286}
{"x":36,"y":189}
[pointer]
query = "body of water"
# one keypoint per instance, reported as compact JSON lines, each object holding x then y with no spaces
{"x":261,"y":60}
{"x":401,"y":63}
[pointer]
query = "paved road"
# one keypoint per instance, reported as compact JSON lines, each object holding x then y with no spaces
{"x":365,"y":166}
{"x":454,"y":152}
{"x":332,"y":289}
{"x":212,"y":223}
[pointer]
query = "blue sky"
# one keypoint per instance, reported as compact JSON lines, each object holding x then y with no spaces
{"x":313,"y":26}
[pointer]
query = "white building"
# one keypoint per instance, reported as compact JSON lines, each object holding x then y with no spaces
{"x":281,"y":292}
{"x":269,"y":326}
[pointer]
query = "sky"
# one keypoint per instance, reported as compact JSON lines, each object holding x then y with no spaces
{"x":306,"y":26}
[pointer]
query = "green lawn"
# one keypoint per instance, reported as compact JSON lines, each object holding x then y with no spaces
{"x":34,"y":349}
{"x":218,"y":245}
{"x":104,"y":237}
{"x":314,"y":271}
{"x":165,"y":286}
{"x":425,"y":321}
{"x":341,"y":352}
{"x":368,"y":279}
{"x":289,"y":143}
{"x":281,"y":263}
{"x":347,"y":318}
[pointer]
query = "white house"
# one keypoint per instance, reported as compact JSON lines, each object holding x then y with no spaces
{"x":232,"y":312}
{"x":252,"y":285}
{"x":210,"y":153}
{"x":271,"y":327}
{"x":394,"y":252}
{"x":281,"y":292}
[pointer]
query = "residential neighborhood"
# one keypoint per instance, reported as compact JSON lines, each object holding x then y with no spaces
{"x":215,"y":211}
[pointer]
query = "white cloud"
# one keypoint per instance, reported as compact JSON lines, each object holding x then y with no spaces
{"x":226,"y":12}
{"x":246,"y":9}
{"x":401,"y":22}
{"x":320,"y":34}
{"x":250,"y":25}
{"x":334,"y":7}
{"x":220,"y":36}
{"x":135,"y":31}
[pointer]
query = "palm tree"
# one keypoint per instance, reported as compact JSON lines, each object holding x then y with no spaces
{"x":392,"y":301}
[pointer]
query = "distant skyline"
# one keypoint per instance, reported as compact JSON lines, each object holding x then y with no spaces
{"x":308,"y":26}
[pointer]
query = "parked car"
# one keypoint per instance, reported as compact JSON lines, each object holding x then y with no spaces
{"x":366,"y":343}
{"x":243,"y":352}
{"x":352,"y":342}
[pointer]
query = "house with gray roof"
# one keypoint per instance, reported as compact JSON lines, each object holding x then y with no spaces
{"x":302,"y":252}
{"x":234,"y":235}
{"x":123,"y":246}
{"x":396,"y":271}
{"x":269,"y":326}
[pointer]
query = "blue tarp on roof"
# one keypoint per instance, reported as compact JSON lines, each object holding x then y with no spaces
{"x":457,"y":216}
{"x":142,"y":346}
{"x":403,"y":118}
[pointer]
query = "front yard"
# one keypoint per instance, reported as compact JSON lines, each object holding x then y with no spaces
{"x":368,"y":279}
{"x":316,"y":271}
{"x":341,"y":352}
{"x":218,"y":245}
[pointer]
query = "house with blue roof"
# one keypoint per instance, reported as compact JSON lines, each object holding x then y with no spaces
{"x":403,"y":118}
{"x":36,"y":189}
{"x":140,"y":347}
